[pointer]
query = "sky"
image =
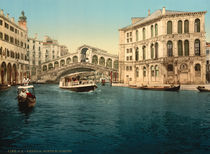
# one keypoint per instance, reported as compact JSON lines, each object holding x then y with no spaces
{"x":93,"y":22}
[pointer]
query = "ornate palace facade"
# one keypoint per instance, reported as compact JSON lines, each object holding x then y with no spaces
{"x":13,"y":41}
{"x":166,"y":47}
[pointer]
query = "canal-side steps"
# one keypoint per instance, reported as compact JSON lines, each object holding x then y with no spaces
{"x":183,"y":87}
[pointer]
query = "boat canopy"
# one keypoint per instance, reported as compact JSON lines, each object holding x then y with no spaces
{"x":78,"y":73}
{"x":25,"y":87}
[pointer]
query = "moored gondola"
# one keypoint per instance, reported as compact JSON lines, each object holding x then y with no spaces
{"x":203,"y":89}
{"x":160,"y":88}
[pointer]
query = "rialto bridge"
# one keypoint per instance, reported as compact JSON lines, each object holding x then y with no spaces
{"x":86,"y":58}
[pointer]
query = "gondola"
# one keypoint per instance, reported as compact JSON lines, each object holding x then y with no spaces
{"x":203,"y":89}
{"x":160,"y":88}
{"x":26,"y":96}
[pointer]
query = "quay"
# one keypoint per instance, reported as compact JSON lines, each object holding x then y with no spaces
{"x":183,"y":87}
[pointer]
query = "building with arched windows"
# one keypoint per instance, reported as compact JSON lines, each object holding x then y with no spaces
{"x":166,"y":47}
{"x":13,"y":39}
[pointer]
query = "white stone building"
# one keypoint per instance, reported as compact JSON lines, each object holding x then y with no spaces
{"x":166,"y":47}
{"x":13,"y":39}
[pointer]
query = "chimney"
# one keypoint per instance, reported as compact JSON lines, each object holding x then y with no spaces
{"x":164,"y":10}
{"x":148,"y":12}
{"x":2,"y":12}
{"x":13,"y":19}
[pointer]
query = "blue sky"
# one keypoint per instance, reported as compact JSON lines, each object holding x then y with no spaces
{"x":93,"y":22}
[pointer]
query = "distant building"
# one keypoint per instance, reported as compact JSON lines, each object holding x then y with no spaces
{"x":13,"y":40}
{"x":166,"y":47}
{"x":208,"y":62}
{"x":35,"y":55}
{"x":39,"y":52}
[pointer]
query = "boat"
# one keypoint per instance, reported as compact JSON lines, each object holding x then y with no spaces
{"x":78,"y":82}
{"x":4,"y":87}
{"x":203,"y":89}
{"x":160,"y":88}
{"x":26,"y":96}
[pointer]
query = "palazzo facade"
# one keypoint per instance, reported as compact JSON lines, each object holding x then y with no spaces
{"x":13,"y":40}
{"x":166,"y":47}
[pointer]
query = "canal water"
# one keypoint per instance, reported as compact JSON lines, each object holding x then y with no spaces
{"x":108,"y":120}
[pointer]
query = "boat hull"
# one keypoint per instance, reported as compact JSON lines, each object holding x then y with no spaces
{"x":203,"y":89}
{"x":175,"y":88}
{"x":26,"y":102}
{"x":81,"y":89}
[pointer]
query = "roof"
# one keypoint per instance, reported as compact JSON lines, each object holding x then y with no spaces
{"x":78,"y":73}
{"x":25,"y":87}
{"x":157,"y":14}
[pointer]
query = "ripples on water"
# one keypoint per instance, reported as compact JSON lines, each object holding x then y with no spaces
{"x":108,"y":120}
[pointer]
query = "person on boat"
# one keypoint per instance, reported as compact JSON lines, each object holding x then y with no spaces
{"x":23,"y":93}
{"x":25,"y":82}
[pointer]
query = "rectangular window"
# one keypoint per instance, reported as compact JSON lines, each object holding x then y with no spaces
{"x":127,"y":58}
{"x":130,"y":57}
{"x":127,"y":34}
{"x":127,"y":68}
{"x":127,"y":40}
{"x":15,"y":30}
{"x":1,"y":22}
{"x":12,"y":28}
{"x":6,"y":25}
{"x":1,"y":35}
{"x":130,"y":68}
{"x":11,"y":39}
{"x":6,"y":37}
{"x":207,"y":52}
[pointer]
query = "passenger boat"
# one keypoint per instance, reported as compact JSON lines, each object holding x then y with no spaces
{"x":203,"y":89}
{"x":78,"y":82}
{"x":160,"y":88}
{"x":26,"y":96}
{"x":4,"y":87}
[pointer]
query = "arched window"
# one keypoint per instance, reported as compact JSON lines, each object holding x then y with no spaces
{"x":156,"y":50}
{"x":152,"y":31}
{"x":102,"y":61}
{"x":144,"y":71}
{"x":62,"y":63}
{"x":170,"y":68}
{"x":197,"y":25}
{"x":152,"y":71}
{"x":50,"y":66}
{"x":170,"y":48}
{"x":180,"y":48}
{"x":186,"y":26}
{"x":44,"y":68}
{"x":197,"y":47}
{"x":152,"y":51}
{"x":156,"y":70}
{"x":75,"y":59}
{"x":109,"y":63}
{"x":156,"y":29}
{"x":179,"y":26}
{"x":144,"y":52}
{"x":137,"y":72}
{"x":137,"y":54}
{"x":169,"y":27}
{"x":137,"y":35}
{"x":186,"y":48}
{"x":68,"y":60}
{"x":116,"y":64}
{"x":197,"y":67}
{"x":144,"y":33}
{"x":56,"y":64}
{"x":95,"y":59}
